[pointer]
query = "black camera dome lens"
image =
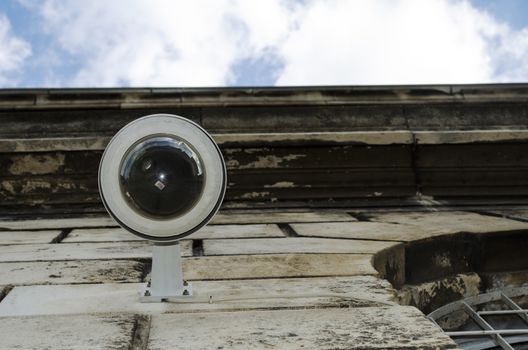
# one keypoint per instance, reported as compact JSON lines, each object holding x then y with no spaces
{"x":162,"y":177}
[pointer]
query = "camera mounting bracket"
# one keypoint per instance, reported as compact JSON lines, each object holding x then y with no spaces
{"x":162,"y":177}
{"x":166,"y":280}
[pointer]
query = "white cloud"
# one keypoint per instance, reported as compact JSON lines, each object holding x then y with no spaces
{"x":13,"y":52}
{"x":161,"y":42}
{"x":511,"y":57}
{"x":326,"y":42}
{"x":394,"y":42}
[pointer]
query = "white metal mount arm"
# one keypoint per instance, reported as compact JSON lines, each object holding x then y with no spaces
{"x":166,"y":276}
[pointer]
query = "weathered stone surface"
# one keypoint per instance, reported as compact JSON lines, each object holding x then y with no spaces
{"x":65,"y":272}
{"x":391,"y":265}
{"x":362,"y":230}
{"x":47,"y":144}
{"x":431,"y":295}
{"x":67,"y":332}
{"x":83,"y":143}
{"x":138,"y":98}
{"x":356,"y":291}
{"x":469,"y":136}
{"x":292,"y":245}
{"x":263,"y":217}
{"x":346,"y":137}
{"x":447,"y":222}
{"x":277,"y":265}
{"x":110,"y":234}
{"x":84,"y":251}
{"x":500,"y":280}
{"x":516,"y":214}
{"x":364,"y":328}
{"x":3,"y":291}
{"x":28,"y":237}
{"x":238,"y":231}
{"x":211,"y":231}
{"x":41,"y":224}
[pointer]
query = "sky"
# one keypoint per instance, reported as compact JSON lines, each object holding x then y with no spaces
{"x":210,"y":43}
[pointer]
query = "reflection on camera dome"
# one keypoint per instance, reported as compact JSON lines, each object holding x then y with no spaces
{"x":162,"y":177}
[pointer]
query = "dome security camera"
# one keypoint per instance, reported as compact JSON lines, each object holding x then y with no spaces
{"x":162,"y":177}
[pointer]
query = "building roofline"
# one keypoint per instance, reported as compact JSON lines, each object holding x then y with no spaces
{"x":440,"y":87}
{"x":129,"y":98}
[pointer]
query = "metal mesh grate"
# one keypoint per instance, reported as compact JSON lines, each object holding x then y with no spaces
{"x":485,"y":334}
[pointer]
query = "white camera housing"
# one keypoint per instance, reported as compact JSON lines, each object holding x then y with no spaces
{"x":172,"y":131}
{"x":162,"y":177}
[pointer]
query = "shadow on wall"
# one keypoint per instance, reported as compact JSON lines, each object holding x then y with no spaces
{"x":433,"y":272}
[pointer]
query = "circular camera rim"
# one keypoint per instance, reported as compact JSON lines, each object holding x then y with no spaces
{"x":222,"y":187}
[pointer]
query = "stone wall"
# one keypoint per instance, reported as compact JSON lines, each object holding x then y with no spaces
{"x":284,"y":147}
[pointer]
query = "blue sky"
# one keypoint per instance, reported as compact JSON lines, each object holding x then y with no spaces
{"x":108,"y":43}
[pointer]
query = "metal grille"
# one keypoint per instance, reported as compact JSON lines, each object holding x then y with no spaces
{"x":488,"y":335}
